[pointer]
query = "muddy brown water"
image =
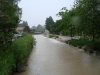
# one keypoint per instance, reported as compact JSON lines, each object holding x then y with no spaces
{"x":51,"y":57}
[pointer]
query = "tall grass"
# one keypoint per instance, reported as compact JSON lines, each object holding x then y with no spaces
{"x":17,"y":53}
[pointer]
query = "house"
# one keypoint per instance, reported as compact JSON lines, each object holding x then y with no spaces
{"x":23,"y":27}
{"x":20,"y":29}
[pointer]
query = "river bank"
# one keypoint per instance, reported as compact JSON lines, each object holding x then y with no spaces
{"x":81,"y":45}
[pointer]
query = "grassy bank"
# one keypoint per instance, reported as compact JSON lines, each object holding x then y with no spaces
{"x":17,"y":53}
{"x":86,"y":44}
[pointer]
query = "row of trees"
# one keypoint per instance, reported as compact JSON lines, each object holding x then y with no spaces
{"x":25,"y":23}
{"x":10,"y":15}
{"x":82,"y":20}
{"x":38,"y":28}
{"x":49,"y":24}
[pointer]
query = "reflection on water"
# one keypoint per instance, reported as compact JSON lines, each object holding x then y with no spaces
{"x":51,"y":57}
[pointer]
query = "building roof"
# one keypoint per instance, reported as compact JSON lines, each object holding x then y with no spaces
{"x":21,"y":25}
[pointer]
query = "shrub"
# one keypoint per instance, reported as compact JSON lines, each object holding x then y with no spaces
{"x":22,"y":47}
{"x":78,"y":42}
{"x":51,"y":36}
{"x":56,"y":36}
{"x":7,"y":63}
{"x":17,"y":53}
{"x":94,"y":45}
{"x":83,"y":42}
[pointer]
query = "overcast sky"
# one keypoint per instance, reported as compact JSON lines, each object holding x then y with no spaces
{"x":36,"y":11}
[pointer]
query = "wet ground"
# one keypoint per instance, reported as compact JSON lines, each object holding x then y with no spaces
{"x":51,"y":57}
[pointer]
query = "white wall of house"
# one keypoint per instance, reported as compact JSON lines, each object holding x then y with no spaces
{"x":20,"y":29}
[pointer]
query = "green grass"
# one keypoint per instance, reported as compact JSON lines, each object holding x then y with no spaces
{"x":17,"y":53}
{"x":22,"y":48}
{"x":77,"y":42}
{"x":83,"y":42}
{"x":51,"y":36}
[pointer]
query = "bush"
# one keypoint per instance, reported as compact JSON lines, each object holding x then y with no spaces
{"x":78,"y":42}
{"x":51,"y":36}
{"x":7,"y":63}
{"x":94,"y":45}
{"x":17,"y":53}
{"x":56,"y":36}
{"x":22,"y":48}
{"x":83,"y":42}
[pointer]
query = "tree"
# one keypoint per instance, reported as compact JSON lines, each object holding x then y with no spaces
{"x":33,"y":29}
{"x":39,"y":28}
{"x":89,"y":11}
{"x":65,"y":25}
{"x":10,"y":15}
{"x":25,"y":23}
{"x":49,"y":24}
{"x":82,"y":20}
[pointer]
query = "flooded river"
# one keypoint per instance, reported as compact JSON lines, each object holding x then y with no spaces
{"x":51,"y":57}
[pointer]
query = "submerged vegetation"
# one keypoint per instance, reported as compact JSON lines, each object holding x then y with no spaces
{"x":85,"y":44}
{"x":51,"y":36}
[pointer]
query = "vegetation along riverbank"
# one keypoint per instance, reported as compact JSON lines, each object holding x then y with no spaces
{"x":16,"y":55}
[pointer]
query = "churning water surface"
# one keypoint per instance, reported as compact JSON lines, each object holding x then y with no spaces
{"x":51,"y":57}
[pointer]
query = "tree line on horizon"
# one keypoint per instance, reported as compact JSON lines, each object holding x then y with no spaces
{"x":38,"y":28}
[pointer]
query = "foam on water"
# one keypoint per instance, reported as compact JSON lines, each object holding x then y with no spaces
{"x":42,"y":36}
{"x":55,"y":41}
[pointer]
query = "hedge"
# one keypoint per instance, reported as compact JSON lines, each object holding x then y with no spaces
{"x":93,"y":45}
{"x":17,"y":53}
